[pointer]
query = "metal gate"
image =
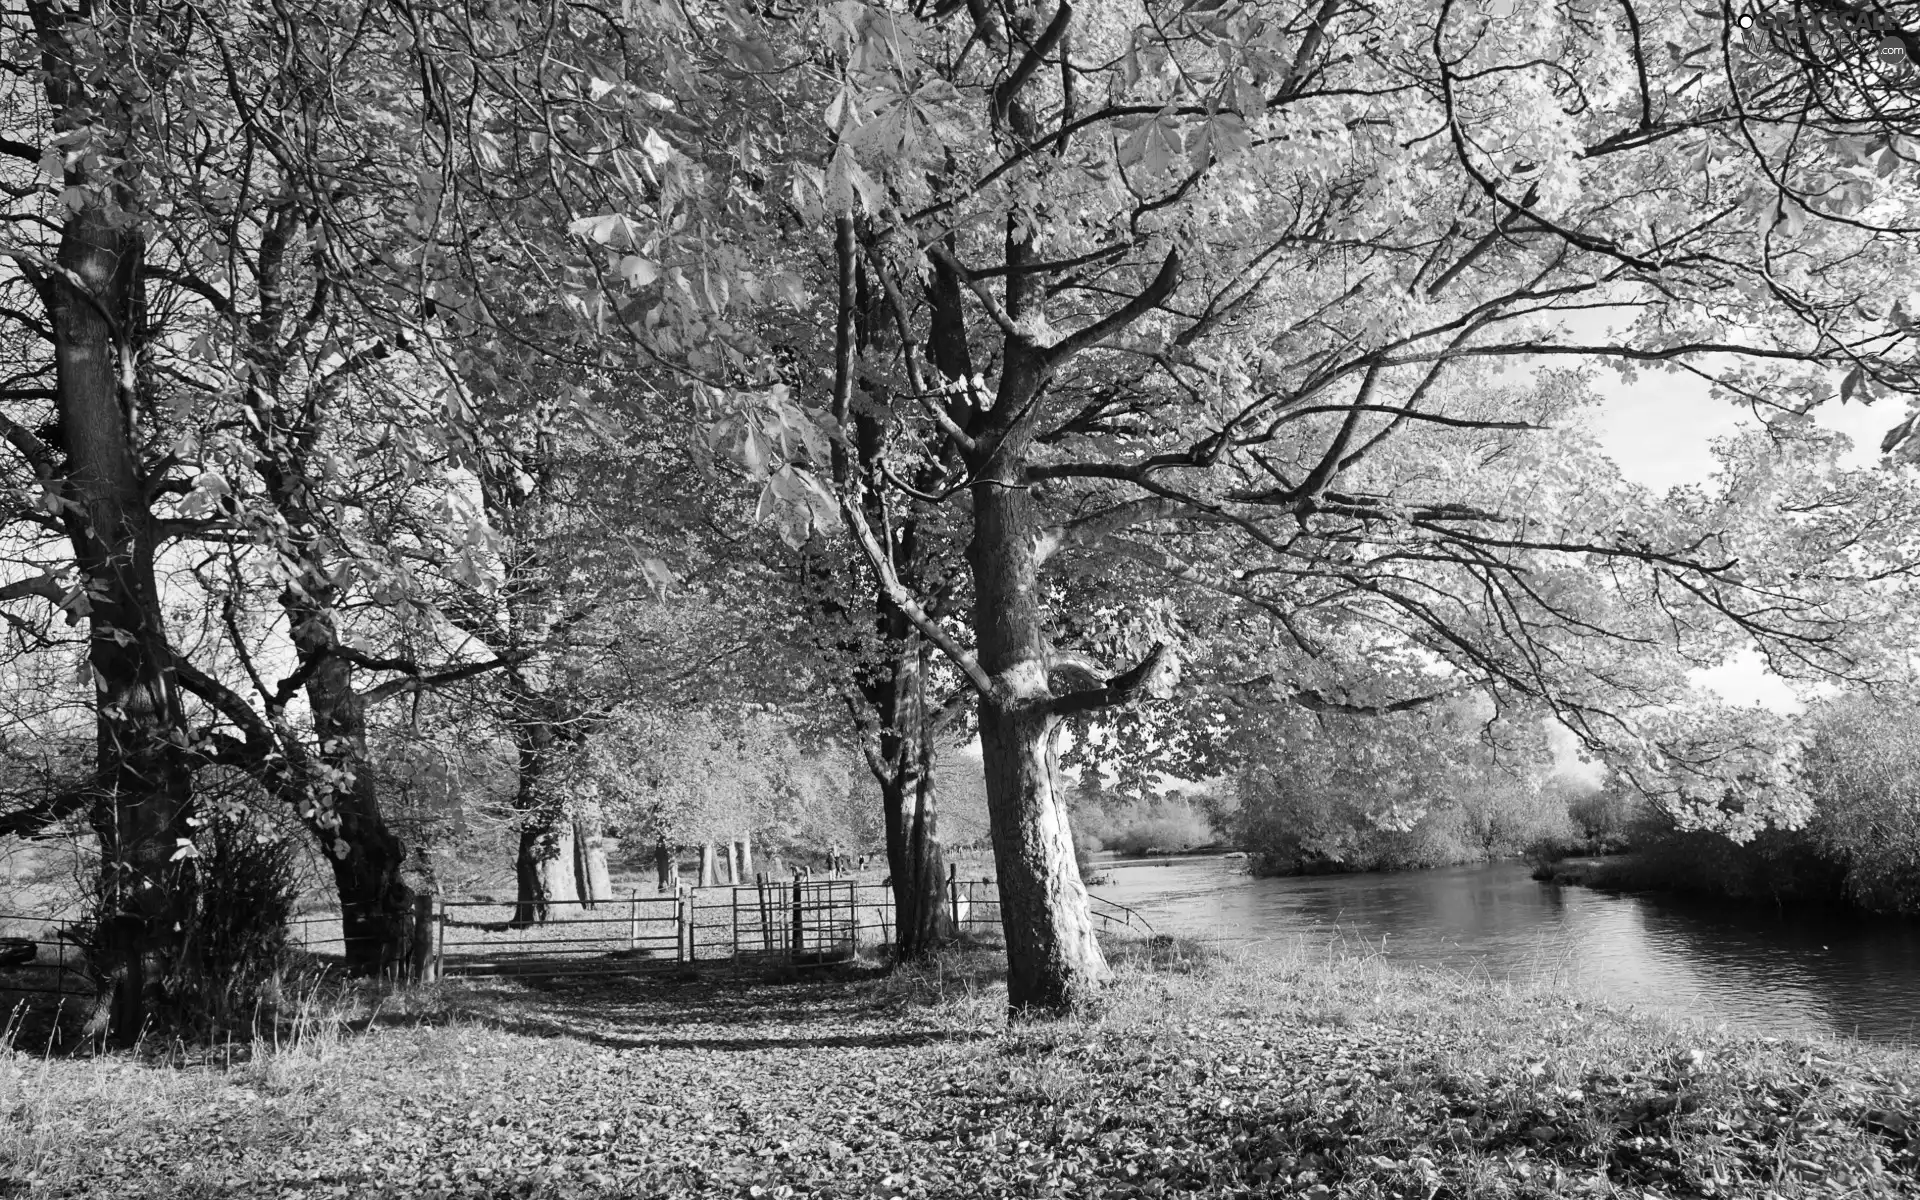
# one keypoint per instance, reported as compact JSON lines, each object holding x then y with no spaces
{"x":803,"y":921}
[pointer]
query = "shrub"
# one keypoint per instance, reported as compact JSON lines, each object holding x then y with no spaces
{"x":237,"y":938}
{"x":1863,"y":770}
{"x":1135,"y":825}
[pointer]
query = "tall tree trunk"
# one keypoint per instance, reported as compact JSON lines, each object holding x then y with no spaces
{"x":706,"y":864}
{"x":746,"y":856}
{"x":595,"y":881}
{"x":340,"y":801}
{"x":916,"y":866}
{"x":544,"y":872}
{"x":1053,"y":959}
{"x":364,"y":853}
{"x":143,"y":768}
{"x":544,"y":865}
{"x":915,"y":863}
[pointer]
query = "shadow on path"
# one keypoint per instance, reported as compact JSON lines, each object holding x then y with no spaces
{"x":846,"y":1007}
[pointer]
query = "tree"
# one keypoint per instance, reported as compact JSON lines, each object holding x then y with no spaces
{"x":1221,"y":262}
{"x":80,"y":267}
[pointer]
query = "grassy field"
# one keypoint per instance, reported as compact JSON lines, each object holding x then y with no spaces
{"x":1314,"y":1076}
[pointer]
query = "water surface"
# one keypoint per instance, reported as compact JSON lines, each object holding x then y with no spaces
{"x":1750,"y":965}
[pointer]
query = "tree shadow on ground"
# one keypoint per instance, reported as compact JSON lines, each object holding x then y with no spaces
{"x":851,"y":1005}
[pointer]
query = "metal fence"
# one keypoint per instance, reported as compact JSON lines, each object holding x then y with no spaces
{"x":805,"y":921}
{"x":35,"y":958}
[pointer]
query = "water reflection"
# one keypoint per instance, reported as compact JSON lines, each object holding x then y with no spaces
{"x":1760,"y":969}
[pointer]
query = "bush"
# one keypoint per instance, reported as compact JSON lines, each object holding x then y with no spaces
{"x":1137,"y":825}
{"x":1863,"y":769}
{"x":1777,"y":865}
{"x":1604,"y":818}
{"x":247,"y":896}
{"x":1301,"y":831}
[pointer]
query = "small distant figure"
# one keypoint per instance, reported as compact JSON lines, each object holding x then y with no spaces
{"x":861,"y":865}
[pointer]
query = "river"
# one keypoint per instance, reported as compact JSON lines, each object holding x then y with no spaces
{"x":1757,"y":969}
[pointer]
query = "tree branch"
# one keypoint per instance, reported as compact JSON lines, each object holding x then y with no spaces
{"x":1123,"y":688}
{"x":34,"y":818}
{"x":1149,"y":299}
{"x":1009,"y":89}
{"x":44,"y":586}
{"x":945,"y":258}
{"x":401,"y":687}
{"x":897,"y":592}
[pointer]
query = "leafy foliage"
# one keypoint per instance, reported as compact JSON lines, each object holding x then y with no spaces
{"x":1865,"y":779}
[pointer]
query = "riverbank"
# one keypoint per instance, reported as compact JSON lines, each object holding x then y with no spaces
{"x":1314,"y":1076}
{"x":1613,"y":873}
{"x":1707,"y":870}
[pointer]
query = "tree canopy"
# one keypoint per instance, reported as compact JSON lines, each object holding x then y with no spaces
{"x":1166,"y":369}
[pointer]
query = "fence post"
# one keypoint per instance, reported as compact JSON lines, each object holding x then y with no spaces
{"x":683,"y":923}
{"x":953,"y":896}
{"x":633,"y":918}
{"x":733,"y":908}
{"x":799,"y":929}
{"x":422,"y":949}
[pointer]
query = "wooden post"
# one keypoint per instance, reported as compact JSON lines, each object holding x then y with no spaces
{"x":439,"y":938}
{"x":683,"y":925}
{"x":799,"y":928}
{"x":422,"y":964}
{"x":633,"y":918}
{"x":953,"y":895}
{"x":733,"y":910}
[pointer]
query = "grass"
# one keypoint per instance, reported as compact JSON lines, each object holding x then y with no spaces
{"x":1308,"y":1073}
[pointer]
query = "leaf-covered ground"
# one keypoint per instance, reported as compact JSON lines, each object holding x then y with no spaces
{"x":1315,"y":1078}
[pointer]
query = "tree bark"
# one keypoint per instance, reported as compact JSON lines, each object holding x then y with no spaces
{"x":707,"y":872}
{"x":543,"y":868}
{"x":1053,"y":959}
{"x":143,"y":766}
{"x":746,"y":856}
{"x":543,"y":872}
{"x":896,"y":692}
{"x":366,"y":857}
{"x":590,"y":862}
{"x":916,"y":865}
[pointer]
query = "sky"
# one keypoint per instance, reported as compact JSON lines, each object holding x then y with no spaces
{"x":1659,"y":430}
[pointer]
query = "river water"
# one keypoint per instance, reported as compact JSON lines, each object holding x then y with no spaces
{"x":1748,"y":965}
